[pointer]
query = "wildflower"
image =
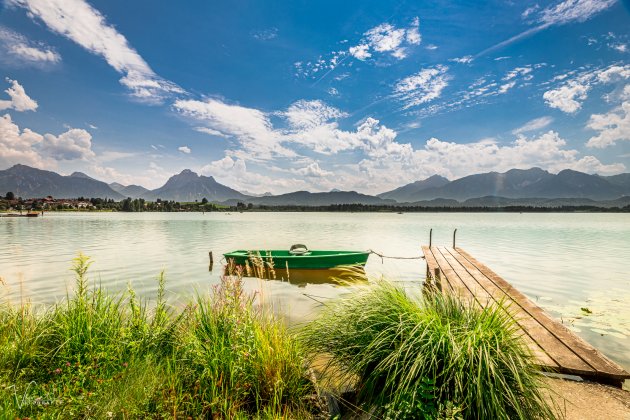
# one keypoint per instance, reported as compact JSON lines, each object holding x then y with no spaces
{"x":68,"y":364}
{"x":58,"y":371}
{"x":125,"y":364}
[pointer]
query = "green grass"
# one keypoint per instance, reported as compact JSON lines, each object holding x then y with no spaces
{"x":436,"y":357}
{"x":96,"y":355}
{"x":100,"y":355}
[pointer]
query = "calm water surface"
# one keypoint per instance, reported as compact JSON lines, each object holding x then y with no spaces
{"x":564,"y":262}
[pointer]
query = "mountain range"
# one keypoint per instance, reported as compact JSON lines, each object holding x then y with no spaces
{"x":516,"y":187}
{"x":28,"y":182}
{"x":519,"y":183}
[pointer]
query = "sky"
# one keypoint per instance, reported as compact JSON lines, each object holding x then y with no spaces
{"x":314,"y":95}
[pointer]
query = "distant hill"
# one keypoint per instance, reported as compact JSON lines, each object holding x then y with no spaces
{"x":529,"y":183}
{"x":28,"y":182}
{"x":410,"y":191}
{"x":133,"y":191}
{"x":621,"y":180}
{"x":188,"y":186}
{"x":305,"y":198}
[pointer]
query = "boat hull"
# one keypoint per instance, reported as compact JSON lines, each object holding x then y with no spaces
{"x":313,"y":260}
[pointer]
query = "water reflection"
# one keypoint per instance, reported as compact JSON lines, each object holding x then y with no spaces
{"x":338,"y":276}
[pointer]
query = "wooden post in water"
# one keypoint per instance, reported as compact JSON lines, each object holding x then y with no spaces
{"x":454,"y":233}
{"x":211,"y":261}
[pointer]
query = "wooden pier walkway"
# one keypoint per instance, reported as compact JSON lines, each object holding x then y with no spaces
{"x":556,"y":348}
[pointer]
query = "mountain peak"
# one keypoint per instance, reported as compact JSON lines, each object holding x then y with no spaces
{"x":188,"y":172}
{"x":80,"y":175}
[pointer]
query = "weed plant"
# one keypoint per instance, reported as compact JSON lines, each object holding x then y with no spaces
{"x":435,"y":357}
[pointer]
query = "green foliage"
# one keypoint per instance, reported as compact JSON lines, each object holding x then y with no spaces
{"x":438,"y":357}
{"x":96,"y":356}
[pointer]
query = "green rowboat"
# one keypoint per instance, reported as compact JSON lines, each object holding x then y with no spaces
{"x":299,"y":257}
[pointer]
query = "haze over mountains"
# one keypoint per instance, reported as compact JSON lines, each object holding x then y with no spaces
{"x":515,"y":187}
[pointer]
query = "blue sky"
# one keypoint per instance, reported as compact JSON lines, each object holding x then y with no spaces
{"x":292,"y":95}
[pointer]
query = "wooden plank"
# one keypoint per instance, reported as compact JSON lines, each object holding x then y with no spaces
{"x":541,"y":357}
{"x":430,"y":259}
{"x":471,"y":284}
{"x":597,"y":361}
{"x":431,"y":265}
{"x":486,"y":295}
{"x":458,"y":286}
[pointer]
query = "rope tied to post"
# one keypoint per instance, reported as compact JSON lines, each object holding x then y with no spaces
{"x":421,"y":257}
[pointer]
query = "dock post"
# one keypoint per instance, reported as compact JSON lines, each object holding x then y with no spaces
{"x":211,"y":260}
{"x":437,"y":277}
{"x":430,"y":236}
{"x":454,"y":233}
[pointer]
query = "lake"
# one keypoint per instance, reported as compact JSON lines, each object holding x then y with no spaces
{"x":563,"y":262}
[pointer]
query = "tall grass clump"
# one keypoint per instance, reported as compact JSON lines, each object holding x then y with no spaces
{"x":435,"y":357}
{"x":97,"y":355}
{"x":239,"y":360}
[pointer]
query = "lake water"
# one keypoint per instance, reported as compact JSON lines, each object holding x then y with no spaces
{"x":564,"y":262}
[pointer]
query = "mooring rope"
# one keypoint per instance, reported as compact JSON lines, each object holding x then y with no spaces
{"x":394,"y":258}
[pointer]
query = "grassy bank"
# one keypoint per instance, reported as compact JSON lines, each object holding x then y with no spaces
{"x":97,"y":355}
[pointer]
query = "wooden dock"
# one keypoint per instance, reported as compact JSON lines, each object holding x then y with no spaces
{"x":555,"y":348}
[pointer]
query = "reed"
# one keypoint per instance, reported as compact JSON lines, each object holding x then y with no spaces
{"x":98,"y":355}
{"x":436,"y":357}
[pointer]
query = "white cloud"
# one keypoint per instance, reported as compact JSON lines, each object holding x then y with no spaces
{"x":613,"y":126}
{"x":360,"y":52}
{"x":251,"y":127}
{"x":413,"y":36}
{"x":387,"y":38}
{"x":613,"y":73}
{"x":236,"y":174}
{"x":562,"y":13}
{"x":384,"y":39}
{"x":18,"y":146}
{"x":309,"y":114}
{"x":313,"y":170}
{"x":184,"y":149}
{"x":529,"y":11}
{"x":505,"y":87}
{"x":454,"y":160}
{"x":30,"y":148}
{"x":570,"y":95}
{"x":370,"y":157}
{"x":467,"y":59}
{"x":74,"y":144}
{"x":81,"y":23}
{"x":573,"y":11}
{"x":333,"y":91}
{"x":210,"y":131}
{"x":266,"y":34}
{"x":519,"y":71}
{"x":567,"y":98}
{"x":17,"y":49}
{"x":622,"y":48}
{"x":533,"y":125}
{"x":19,"y":101}
{"x":431,"y":47}
{"x":422,"y":87}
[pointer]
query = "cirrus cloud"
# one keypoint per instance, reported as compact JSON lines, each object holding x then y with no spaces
{"x":86,"y":26}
